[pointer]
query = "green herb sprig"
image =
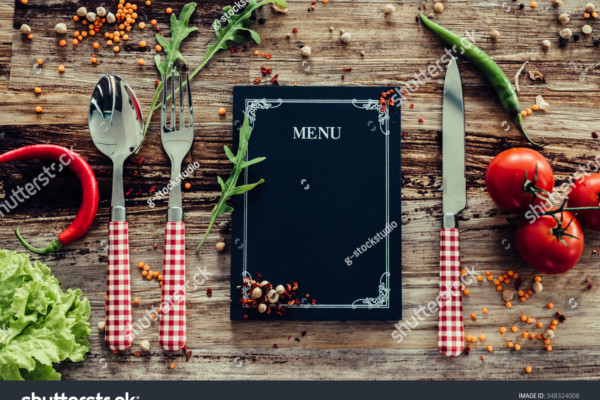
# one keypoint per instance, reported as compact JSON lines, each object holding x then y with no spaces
{"x":230,"y":187}
{"x":180,"y":30}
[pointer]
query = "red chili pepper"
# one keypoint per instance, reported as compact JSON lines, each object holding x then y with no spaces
{"x":89,"y":203}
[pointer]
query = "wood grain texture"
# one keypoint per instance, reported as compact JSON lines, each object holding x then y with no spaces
{"x":396,"y":48}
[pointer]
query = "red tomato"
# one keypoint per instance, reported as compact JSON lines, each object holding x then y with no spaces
{"x":584,"y":193}
{"x":505,"y":176}
{"x":540,"y":246}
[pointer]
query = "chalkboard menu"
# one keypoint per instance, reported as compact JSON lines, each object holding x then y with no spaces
{"x":328,"y":216}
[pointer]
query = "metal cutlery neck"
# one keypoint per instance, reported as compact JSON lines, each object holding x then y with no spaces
{"x":175,"y":214}
{"x":176,"y":182}
{"x":449,"y":221}
{"x":118,"y":214}
{"x":118,"y":197}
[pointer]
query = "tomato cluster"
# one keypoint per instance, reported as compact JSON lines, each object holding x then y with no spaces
{"x":549,"y":236}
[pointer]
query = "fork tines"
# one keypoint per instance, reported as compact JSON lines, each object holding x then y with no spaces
{"x":172,"y":125}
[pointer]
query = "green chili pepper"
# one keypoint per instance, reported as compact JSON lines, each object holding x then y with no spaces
{"x":502,"y":85}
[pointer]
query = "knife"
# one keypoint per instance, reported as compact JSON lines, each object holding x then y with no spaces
{"x":450,"y":323}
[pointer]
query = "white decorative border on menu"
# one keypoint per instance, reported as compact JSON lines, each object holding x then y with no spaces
{"x":383,"y":298}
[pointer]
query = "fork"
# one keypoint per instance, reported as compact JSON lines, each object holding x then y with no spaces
{"x":177,"y":141}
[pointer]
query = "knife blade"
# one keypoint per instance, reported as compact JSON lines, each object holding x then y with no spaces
{"x":450,"y":321}
{"x":453,"y":147}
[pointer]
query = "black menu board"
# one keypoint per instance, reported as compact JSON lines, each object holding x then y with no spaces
{"x":328,"y":215}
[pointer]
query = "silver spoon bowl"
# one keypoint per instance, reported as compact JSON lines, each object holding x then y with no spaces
{"x":117,"y":128}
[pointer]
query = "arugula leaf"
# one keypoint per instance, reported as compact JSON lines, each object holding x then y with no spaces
{"x":229,"y":188}
{"x":235,"y":23}
{"x":180,"y":30}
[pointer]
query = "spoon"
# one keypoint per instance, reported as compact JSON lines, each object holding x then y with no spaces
{"x":116,"y":125}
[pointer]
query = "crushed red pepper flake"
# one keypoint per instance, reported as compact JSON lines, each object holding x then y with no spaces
{"x":411,"y":106}
{"x":137,"y":353}
{"x":467,"y":350}
{"x":275,"y":346}
{"x":128,"y":192}
{"x":274,"y":80}
{"x":517,"y":283}
{"x":141,"y":160}
{"x":594,"y":135}
{"x":152,"y":189}
{"x":209,"y":292}
{"x":346,"y":69}
{"x":265,"y":71}
{"x":257,"y":81}
{"x":561,"y":317}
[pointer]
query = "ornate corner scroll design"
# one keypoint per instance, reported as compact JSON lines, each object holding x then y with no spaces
{"x":383,"y":113}
{"x":260,"y":104}
{"x":379,"y":301}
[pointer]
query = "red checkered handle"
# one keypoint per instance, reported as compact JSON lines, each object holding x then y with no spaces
{"x":172,"y":334}
{"x":450,"y":329}
{"x":118,"y":332}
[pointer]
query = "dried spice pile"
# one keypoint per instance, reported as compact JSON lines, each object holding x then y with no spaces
{"x":524,"y":330}
{"x":266,"y":299}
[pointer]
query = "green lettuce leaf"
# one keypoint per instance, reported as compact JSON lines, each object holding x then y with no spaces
{"x":39,"y":323}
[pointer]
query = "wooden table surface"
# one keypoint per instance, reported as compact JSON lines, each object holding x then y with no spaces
{"x":396,"y":48}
